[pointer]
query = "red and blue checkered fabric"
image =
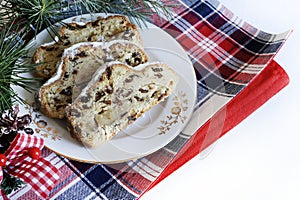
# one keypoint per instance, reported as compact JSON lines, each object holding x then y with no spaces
{"x":226,"y":52}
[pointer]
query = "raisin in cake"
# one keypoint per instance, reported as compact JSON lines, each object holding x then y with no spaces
{"x":115,"y":98}
{"x":103,"y":29}
{"x":77,"y":67}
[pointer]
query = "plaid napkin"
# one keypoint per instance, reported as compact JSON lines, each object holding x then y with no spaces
{"x":235,"y":73}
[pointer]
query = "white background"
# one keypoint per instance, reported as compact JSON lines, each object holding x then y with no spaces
{"x":260,"y":158}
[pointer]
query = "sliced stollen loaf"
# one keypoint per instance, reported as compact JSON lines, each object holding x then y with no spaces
{"x":77,"y":67}
{"x":115,"y":98}
{"x":103,"y":29}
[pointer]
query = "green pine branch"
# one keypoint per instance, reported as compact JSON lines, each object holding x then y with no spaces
{"x":13,"y":65}
{"x":40,"y":14}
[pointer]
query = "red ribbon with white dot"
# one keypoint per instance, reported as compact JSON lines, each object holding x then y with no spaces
{"x":23,"y":160}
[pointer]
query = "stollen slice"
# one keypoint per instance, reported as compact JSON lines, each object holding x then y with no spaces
{"x":106,"y":29}
{"x":77,"y":66}
{"x":115,"y":98}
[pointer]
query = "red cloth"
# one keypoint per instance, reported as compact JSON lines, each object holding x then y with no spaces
{"x":270,"y":81}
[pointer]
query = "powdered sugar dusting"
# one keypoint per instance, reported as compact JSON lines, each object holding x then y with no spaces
{"x":74,"y":49}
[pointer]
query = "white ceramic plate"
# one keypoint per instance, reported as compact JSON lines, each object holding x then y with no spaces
{"x":152,"y":131}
